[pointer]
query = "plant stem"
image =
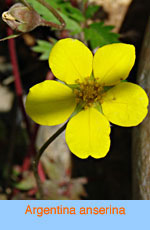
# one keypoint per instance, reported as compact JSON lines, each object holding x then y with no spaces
{"x":51,"y":24}
{"x":54,"y":12}
{"x":39,"y":154}
{"x":19,"y":93}
{"x":16,"y":73}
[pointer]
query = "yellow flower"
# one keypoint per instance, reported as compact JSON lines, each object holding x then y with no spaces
{"x":122,"y":103}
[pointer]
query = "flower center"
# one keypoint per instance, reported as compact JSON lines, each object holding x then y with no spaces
{"x":88,"y":92}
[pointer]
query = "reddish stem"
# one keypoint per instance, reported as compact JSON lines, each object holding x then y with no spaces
{"x":19,"y":92}
{"x":41,"y":172}
{"x":11,"y":45}
{"x":16,"y":73}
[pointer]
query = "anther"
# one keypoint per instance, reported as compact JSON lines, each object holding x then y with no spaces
{"x":89,"y":92}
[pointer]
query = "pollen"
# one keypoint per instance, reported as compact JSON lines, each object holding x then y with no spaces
{"x":88,"y":92}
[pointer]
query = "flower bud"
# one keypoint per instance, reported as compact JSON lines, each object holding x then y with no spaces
{"x":21,"y":18}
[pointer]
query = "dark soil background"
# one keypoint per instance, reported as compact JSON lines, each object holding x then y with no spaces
{"x":108,"y":178}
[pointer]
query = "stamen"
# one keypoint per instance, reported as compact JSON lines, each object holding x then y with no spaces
{"x":89,"y":92}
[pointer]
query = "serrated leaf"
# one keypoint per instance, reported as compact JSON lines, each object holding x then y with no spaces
{"x":91,"y":10}
{"x":99,"y":35}
{"x":44,"y":43}
{"x":44,"y":56}
{"x":44,"y":48}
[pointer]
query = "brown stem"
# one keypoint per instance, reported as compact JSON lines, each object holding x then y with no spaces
{"x":51,"y":24}
{"x":55,"y":13}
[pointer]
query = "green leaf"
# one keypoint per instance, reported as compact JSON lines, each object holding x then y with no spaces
{"x":72,"y":12}
{"x":99,"y":35}
{"x":44,"y":48}
{"x":43,"y":11}
{"x":91,"y":10}
{"x":71,"y":24}
{"x":44,"y":56}
{"x":9,"y":37}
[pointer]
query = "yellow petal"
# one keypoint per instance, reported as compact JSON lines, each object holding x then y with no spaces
{"x":50,"y":103}
{"x":125,"y":104}
{"x":87,"y":134}
{"x":113,"y":63}
{"x":70,"y":59}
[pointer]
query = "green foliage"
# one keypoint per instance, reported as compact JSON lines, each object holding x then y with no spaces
{"x":9,"y":37}
{"x":70,"y":14}
{"x":71,"y":11}
{"x":91,"y":10}
{"x":99,"y":35}
{"x":44,"y":48}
